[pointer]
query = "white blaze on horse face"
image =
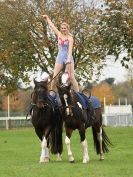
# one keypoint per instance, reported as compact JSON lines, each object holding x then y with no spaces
{"x":64,"y":79}
{"x":44,"y":76}
{"x":79,"y":105}
{"x":67,"y":109}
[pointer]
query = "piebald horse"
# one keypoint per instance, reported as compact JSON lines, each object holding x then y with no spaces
{"x":76,"y":117}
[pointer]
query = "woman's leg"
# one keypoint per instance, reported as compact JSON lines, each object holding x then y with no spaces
{"x":70,"y":70}
{"x":57,"y":69}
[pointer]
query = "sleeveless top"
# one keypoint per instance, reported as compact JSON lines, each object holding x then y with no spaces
{"x":63,"y":47}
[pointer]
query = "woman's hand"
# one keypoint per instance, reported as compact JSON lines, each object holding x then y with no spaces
{"x":44,"y":16}
{"x":68,"y":61}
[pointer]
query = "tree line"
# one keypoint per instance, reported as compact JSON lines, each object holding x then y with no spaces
{"x":20,"y":100}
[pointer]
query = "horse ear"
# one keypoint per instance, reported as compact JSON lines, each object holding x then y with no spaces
{"x":35,"y":81}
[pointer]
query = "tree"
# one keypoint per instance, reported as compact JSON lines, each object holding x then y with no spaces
{"x":19,"y":101}
{"x":109,"y":80}
{"x":116,"y":29}
{"x":124,"y":91}
{"x":16,"y":55}
{"x":104,"y":90}
{"x":28,"y":44}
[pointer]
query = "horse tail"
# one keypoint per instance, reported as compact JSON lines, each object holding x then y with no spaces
{"x":105,"y":141}
{"x":56,"y":136}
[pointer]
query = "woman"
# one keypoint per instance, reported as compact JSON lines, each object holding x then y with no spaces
{"x":65,"y":45}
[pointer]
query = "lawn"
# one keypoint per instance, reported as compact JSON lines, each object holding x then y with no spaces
{"x":20,"y":151}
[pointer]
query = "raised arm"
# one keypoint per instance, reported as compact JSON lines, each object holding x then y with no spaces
{"x":51,"y":24}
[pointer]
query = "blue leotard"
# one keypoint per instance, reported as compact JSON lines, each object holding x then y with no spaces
{"x":63,"y":47}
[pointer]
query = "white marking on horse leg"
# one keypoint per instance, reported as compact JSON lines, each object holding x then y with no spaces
{"x":59,"y":158}
{"x":70,"y":156}
{"x":100,"y":139}
{"x":45,"y":151}
{"x":85,"y":151}
{"x":67,"y":109}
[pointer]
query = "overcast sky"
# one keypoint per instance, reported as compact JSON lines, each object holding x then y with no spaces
{"x":115,"y":70}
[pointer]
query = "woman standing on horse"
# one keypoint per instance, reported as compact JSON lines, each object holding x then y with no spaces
{"x":65,"y":47}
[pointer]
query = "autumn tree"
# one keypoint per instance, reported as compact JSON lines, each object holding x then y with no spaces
{"x":16,"y":50}
{"x":123,"y":91}
{"x":19,"y":101}
{"x":28,"y":44}
{"x":104,"y":90}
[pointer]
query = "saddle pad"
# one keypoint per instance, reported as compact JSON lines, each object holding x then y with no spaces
{"x":52,"y":101}
{"x":95,"y":102}
{"x":83,"y":100}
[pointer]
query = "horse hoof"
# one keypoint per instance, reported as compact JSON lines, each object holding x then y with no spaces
{"x":101,"y":159}
{"x":44,"y":160}
{"x":72,"y":161}
{"x":85,"y":161}
{"x":59,"y":159}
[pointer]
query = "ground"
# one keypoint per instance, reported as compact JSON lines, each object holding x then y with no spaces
{"x":20,"y":151}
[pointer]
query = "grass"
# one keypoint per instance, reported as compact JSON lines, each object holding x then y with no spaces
{"x":20,"y":151}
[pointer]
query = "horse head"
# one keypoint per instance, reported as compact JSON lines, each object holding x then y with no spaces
{"x":63,"y":84}
{"x":40,"y":93}
{"x":64,"y":90}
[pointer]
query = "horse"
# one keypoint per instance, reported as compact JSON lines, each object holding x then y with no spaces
{"x":77,"y":117}
{"x":46,"y":119}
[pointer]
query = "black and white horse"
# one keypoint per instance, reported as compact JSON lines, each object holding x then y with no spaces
{"x":46,"y":119}
{"x":75,"y":116}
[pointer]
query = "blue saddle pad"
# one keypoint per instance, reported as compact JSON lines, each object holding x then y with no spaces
{"x":83,"y":100}
{"x":95,"y":102}
{"x":52,"y":101}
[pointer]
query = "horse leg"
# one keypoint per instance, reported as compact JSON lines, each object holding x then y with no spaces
{"x":84,"y":145}
{"x":98,"y":134}
{"x":68,"y":142}
{"x":44,"y":144}
{"x":45,"y":151}
{"x":59,"y":157}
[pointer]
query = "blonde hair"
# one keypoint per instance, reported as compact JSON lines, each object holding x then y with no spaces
{"x":65,"y":24}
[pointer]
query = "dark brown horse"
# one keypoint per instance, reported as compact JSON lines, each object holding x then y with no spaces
{"x":75,"y":116}
{"x":46,"y":119}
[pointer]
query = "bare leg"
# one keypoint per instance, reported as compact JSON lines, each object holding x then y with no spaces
{"x":57,"y":69}
{"x":70,"y":70}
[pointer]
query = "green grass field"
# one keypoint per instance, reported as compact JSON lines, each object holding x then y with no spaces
{"x":20,"y":152}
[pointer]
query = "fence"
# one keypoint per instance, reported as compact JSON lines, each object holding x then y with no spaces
{"x":14,"y":122}
{"x":118,"y":115}
{"x":118,"y":120}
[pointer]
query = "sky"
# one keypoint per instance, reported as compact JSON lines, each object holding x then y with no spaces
{"x":114,"y":70}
